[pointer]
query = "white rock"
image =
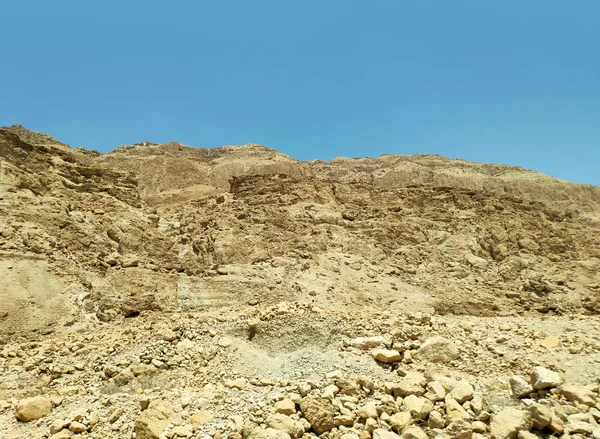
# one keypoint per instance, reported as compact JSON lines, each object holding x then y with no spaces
{"x":437,"y":350}
{"x":542,"y":378}
{"x":519,"y":386}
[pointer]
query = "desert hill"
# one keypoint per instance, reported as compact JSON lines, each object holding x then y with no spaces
{"x":149,"y":235}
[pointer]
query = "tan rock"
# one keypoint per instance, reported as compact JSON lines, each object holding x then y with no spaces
{"x":400,"y":420}
{"x":580,"y":394}
{"x":34,"y":408}
{"x":381,"y":433}
{"x":77,"y":427}
{"x":437,"y":350}
{"x":551,"y":342}
{"x":369,"y":410}
{"x":286,"y":424}
{"x":414,"y":432}
{"x":508,"y":423}
{"x":462,"y":392}
{"x":541,"y":415}
{"x":182,"y":431}
{"x":285,"y":407}
{"x":436,"y":420}
{"x":153,"y":421}
{"x":319,"y":412}
{"x":542,"y":378}
{"x":459,"y":429}
{"x":455,"y":411}
{"x":418,"y":406}
{"x":386,"y":355}
{"x":519,"y":386}
{"x":201,"y":418}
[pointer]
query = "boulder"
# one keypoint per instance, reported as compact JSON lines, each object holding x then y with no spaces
{"x":30,"y":409}
{"x":319,"y":412}
{"x":508,"y":423}
{"x":542,"y":378}
{"x":580,"y":394}
{"x":437,"y":350}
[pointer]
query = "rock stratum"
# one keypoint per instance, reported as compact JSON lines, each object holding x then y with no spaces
{"x":161,"y":290}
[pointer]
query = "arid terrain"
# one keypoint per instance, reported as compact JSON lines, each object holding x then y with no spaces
{"x":164,"y":291}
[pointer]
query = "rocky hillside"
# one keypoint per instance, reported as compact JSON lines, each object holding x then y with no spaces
{"x":239,"y":272}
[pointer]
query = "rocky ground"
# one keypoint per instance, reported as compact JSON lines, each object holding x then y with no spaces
{"x":294,"y":369}
{"x":167,"y":291}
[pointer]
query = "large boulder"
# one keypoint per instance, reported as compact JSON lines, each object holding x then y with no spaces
{"x":437,"y":350}
{"x":319,"y":412}
{"x":34,"y":408}
{"x":153,"y":421}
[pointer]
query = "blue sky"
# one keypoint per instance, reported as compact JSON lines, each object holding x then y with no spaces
{"x":514,"y":82}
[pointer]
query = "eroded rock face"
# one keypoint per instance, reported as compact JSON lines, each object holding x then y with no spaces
{"x":161,"y":291}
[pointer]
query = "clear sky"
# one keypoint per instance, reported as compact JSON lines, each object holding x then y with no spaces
{"x":511,"y":81}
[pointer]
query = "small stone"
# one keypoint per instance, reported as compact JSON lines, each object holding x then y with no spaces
{"x":412,"y":384}
{"x":400,"y":420}
{"x":542,"y":378}
{"x":579,"y":427}
{"x":579,"y":394}
{"x":541,"y":415}
{"x":77,"y":427}
{"x":462,"y":392}
{"x":386,"y":355}
{"x":59,"y":425}
{"x":285,"y":407}
{"x":436,"y":420}
{"x":169,"y":335}
{"x":455,"y":411}
{"x":479,"y":427}
{"x":238,"y":384}
{"x":286,"y":424}
{"x":437,"y":350}
{"x":418,"y":406}
{"x":460,"y":430}
{"x":527,"y":435}
{"x":508,"y":423}
{"x":34,"y":408}
{"x":414,"y":432}
{"x":63,"y":434}
{"x":319,"y":412}
{"x":182,"y":431}
{"x":224,"y":342}
{"x":557,"y":425}
{"x":201,"y":418}
{"x":551,"y":342}
{"x":380,"y":433}
{"x":369,"y":410}
{"x":519,"y":386}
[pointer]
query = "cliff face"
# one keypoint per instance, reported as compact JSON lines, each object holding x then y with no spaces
{"x":173,"y":227}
